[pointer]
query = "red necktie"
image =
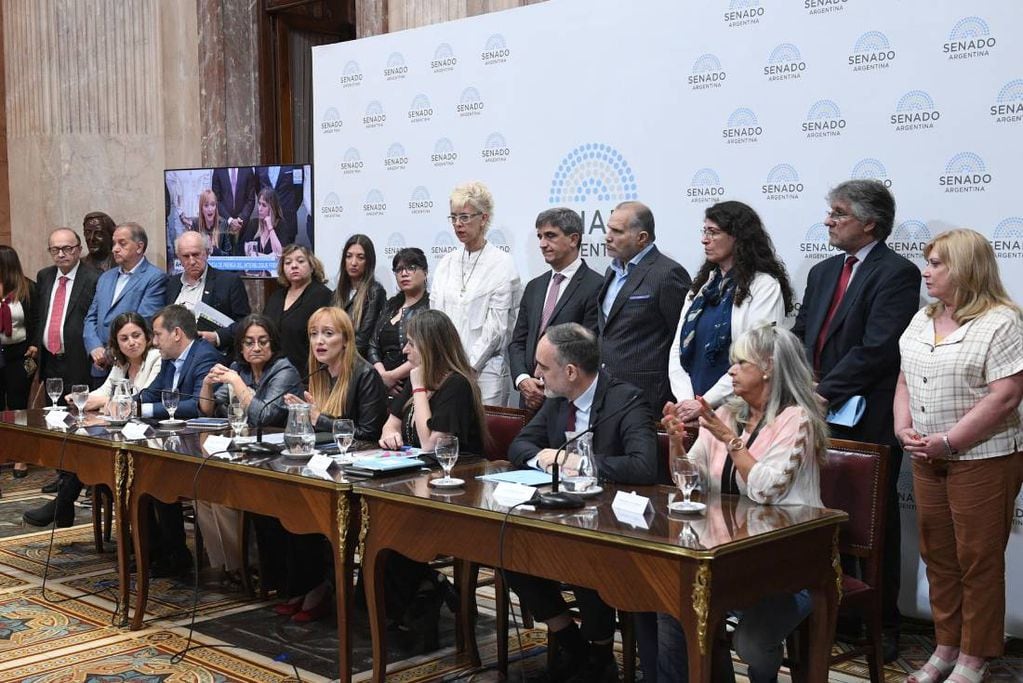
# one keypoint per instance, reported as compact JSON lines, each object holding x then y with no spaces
{"x":570,"y":422}
{"x":56,"y":317}
{"x":552,"y":300}
{"x":836,"y":301}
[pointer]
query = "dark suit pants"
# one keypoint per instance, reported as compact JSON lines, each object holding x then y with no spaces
{"x":14,"y":383}
{"x":542,"y":597}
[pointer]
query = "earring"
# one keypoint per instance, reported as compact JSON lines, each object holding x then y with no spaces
{"x":765,"y":376}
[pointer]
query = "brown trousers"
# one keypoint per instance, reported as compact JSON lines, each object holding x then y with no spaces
{"x":964,"y":516}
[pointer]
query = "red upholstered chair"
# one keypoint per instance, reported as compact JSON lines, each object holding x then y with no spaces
{"x":504,"y":424}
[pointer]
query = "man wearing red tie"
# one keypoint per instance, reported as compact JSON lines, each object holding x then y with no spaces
{"x":855,"y":307}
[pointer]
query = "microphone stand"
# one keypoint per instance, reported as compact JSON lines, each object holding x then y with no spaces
{"x":260,"y":448}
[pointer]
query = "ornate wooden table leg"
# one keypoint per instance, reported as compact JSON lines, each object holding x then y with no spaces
{"x":124,"y":476}
{"x":700,"y":620}
{"x":343,"y":570}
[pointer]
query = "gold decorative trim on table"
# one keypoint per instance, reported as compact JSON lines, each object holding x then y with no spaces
{"x":701,"y":603}
{"x":836,"y":564}
{"x":343,"y":516}
{"x":363,"y":525}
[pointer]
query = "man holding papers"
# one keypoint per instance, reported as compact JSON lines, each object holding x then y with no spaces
{"x":625,"y":451}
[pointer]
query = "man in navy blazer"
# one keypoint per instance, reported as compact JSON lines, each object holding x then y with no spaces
{"x":221,"y":290}
{"x":625,"y":451}
{"x":640,"y":303}
{"x":852,"y":339}
{"x":134,"y":284}
{"x":236,"y":195}
{"x":566,"y":293}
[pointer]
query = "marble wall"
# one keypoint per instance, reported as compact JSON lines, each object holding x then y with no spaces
{"x":383,"y":16}
{"x":101,"y":96}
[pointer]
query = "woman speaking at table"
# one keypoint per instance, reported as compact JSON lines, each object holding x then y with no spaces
{"x":766,"y":444}
{"x":135,"y":359}
{"x":956,"y":414}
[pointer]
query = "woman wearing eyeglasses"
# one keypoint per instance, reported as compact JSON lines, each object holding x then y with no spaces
{"x":478,"y":287}
{"x":387,"y":343}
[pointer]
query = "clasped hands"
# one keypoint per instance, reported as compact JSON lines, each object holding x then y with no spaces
{"x":690,"y":413}
{"x":569,"y":461}
{"x":922,"y":446}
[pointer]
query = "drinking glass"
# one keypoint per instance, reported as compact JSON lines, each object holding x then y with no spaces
{"x":237,"y":417}
{"x":54,"y":388}
{"x":446,"y":452}
{"x":170,"y":400}
{"x":685,"y":472}
{"x":344,"y":435}
{"x":80,"y":395}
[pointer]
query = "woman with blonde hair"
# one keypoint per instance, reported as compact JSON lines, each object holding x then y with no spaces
{"x":478,"y":287}
{"x":358,"y":292}
{"x":956,"y":414}
{"x":213,"y":225}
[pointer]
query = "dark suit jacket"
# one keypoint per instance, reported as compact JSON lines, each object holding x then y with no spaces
{"x":229,"y":203}
{"x":625,"y":445}
{"x":225,"y":292}
{"x":289,"y":194}
{"x":860,"y":356}
{"x":637,"y":333}
{"x":577,"y":304}
{"x":201,"y":358}
{"x":77,"y":363}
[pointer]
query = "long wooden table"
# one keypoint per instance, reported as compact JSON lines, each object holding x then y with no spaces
{"x":695,"y":568}
{"x":97,"y":455}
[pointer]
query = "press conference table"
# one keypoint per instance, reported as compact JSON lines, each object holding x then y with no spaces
{"x":695,"y":567}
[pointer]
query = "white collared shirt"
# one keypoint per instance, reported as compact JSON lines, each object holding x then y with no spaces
{"x":67,"y":298}
{"x":191,"y":294}
{"x":122,"y":279}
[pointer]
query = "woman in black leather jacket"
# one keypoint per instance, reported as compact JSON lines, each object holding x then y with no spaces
{"x":358,"y":292}
{"x":387,"y":343}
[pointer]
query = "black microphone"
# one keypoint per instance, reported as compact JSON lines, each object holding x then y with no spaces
{"x":556,"y":499}
{"x":260,"y":448}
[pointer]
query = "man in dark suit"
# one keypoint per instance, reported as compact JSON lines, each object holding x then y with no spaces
{"x":855,"y":308}
{"x":625,"y":450}
{"x":286,"y":182}
{"x":566,"y":293}
{"x":199,"y":282}
{"x":236,"y":195}
{"x":186,"y":361}
{"x":640,"y":303}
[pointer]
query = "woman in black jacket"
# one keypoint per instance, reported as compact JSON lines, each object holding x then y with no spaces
{"x":387,"y":343}
{"x":358,"y":292}
{"x":17,"y":330}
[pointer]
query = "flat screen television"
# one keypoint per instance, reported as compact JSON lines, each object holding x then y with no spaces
{"x":250,"y":213}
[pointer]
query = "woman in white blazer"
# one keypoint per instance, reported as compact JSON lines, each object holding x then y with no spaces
{"x":131,"y":342}
{"x":742,"y":282}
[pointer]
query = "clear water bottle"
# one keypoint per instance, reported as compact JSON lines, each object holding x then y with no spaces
{"x":299,"y":437}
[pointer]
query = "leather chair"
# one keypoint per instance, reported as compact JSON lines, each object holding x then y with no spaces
{"x":504,"y":424}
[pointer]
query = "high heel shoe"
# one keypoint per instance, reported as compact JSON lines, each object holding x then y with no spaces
{"x":286,"y":609}
{"x":944,"y":669}
{"x":970,"y":675}
{"x":314,"y":613}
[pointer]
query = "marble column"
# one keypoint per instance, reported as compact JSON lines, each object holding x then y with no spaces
{"x":102,"y":96}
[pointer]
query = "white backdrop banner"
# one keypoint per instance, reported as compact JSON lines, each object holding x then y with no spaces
{"x":586,"y":103}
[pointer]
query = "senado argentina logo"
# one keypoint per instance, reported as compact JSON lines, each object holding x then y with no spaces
{"x":871,"y":52}
{"x":331,"y":208}
{"x":396,"y":68}
{"x":374,"y":116}
{"x":499,"y":240}
{"x":969,"y":38}
{"x":443,"y":59}
{"x":593,"y":171}
{"x":444,"y":153}
{"x":743,"y":13}
{"x":1007,"y":239}
{"x":443,"y":243}
{"x":909,"y":238}
{"x":915,"y":111}
{"x":707,"y":73}
{"x":785,"y":63}
{"x":331,"y":122}
{"x":420,"y":110}
{"x":782,"y":183}
{"x":470,"y":103}
{"x":352,"y":162}
{"x":814,"y":7}
{"x":374,"y":204}
{"x":495,"y":149}
{"x":395,"y":243}
{"x":742,"y":127}
{"x":824,"y":120}
{"x":396,"y":158}
{"x":705,"y":187}
{"x":871,"y":169}
{"x":496,"y":50}
{"x":965,"y":172}
{"x":816,"y":245}
{"x":351,"y":75}
{"x":420,"y":203}
{"x":1008,"y":106}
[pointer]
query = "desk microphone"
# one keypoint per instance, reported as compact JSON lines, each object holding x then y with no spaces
{"x":559,"y":500}
{"x":260,"y":448}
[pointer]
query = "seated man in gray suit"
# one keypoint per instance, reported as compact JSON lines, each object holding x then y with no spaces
{"x":625,"y":450}
{"x":640,"y":303}
{"x":567,"y":293}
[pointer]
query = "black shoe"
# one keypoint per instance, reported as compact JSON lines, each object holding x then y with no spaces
{"x":45,"y":514}
{"x":600,"y":667}
{"x":20,"y":474}
{"x":890,"y":645}
{"x":52,"y":486}
{"x":178,"y":565}
{"x":422,"y":618}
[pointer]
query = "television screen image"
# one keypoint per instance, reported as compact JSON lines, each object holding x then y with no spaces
{"x":249,"y":213}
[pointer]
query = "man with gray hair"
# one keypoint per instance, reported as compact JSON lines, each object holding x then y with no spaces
{"x":566,"y":293}
{"x":580,"y":396}
{"x":855,"y":307}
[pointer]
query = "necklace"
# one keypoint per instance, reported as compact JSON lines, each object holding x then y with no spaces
{"x":462,"y":261}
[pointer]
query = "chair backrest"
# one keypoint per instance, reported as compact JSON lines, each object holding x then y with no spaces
{"x":504,"y":424}
{"x":853,"y":479}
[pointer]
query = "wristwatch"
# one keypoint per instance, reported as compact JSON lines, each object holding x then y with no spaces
{"x":735,"y":444}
